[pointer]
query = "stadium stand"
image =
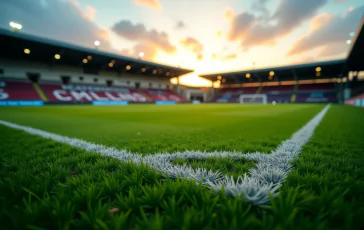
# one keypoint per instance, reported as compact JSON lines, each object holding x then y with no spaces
{"x":311,"y":93}
{"x":56,"y":92}
{"x":319,"y":92}
{"x":88,"y":93}
{"x":321,"y":87}
{"x":14,"y":90}
{"x":281,"y":88}
{"x":31,"y":71}
{"x":163,"y":95}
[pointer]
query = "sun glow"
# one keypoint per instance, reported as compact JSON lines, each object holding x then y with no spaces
{"x":192,"y":79}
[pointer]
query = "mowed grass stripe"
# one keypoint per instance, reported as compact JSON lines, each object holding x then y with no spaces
{"x":151,"y":129}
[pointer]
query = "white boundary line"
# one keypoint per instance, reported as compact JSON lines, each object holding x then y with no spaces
{"x":262,"y":181}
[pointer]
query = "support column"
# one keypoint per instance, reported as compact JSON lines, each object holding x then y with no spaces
{"x":341,"y":90}
{"x":212,"y":91}
{"x":178,"y":86}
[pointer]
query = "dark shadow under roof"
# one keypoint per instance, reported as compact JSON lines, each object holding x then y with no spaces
{"x":329,"y":69}
{"x":43,"y":50}
{"x":355,"y":58}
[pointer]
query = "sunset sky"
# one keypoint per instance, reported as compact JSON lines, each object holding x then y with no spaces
{"x":204,"y":35}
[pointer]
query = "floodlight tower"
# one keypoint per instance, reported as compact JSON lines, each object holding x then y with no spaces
{"x":15,"y":27}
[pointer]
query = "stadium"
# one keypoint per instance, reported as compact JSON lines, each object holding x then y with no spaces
{"x":91,"y":139}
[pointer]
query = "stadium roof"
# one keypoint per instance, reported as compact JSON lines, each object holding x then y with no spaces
{"x":356,"y":54}
{"x":328,"y":69}
{"x":44,"y":50}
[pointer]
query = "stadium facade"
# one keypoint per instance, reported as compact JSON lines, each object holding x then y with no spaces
{"x":37,"y":71}
{"x":45,"y":71}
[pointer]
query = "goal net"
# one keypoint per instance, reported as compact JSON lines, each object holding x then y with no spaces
{"x":253,"y":99}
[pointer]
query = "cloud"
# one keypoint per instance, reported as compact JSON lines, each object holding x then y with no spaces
{"x":194,"y":45}
{"x":229,"y":57}
{"x":333,"y":49}
{"x":252,"y":30}
{"x":319,"y":20}
{"x":148,"y":49}
{"x":88,"y":13}
{"x":333,"y":31}
{"x":180,"y":25}
{"x":229,"y":14}
{"x":224,"y":57}
{"x":260,"y":6}
{"x":138,"y":33}
{"x":155,"y":4}
{"x":218,"y":33}
{"x":56,"y":19}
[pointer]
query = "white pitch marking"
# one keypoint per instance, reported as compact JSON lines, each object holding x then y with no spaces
{"x":263,"y":180}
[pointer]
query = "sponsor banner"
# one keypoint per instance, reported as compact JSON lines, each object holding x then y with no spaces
{"x":110,"y":102}
{"x":84,"y":96}
{"x":165,"y":102}
{"x":316,"y":99}
{"x":22,"y":103}
{"x":221,"y":100}
{"x":356,"y":101}
{"x":349,"y":102}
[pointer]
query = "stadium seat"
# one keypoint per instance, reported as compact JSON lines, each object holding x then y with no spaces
{"x":14,"y":90}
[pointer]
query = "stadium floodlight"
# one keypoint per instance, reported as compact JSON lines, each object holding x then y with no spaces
{"x":247,"y":75}
{"x":97,"y":43}
{"x":348,"y":42}
{"x":27,"y":51}
{"x":15,"y":26}
{"x":141,"y":54}
{"x":57,"y":56}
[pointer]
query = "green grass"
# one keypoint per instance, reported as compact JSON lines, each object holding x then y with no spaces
{"x":48,"y":185}
{"x":150,"y":128}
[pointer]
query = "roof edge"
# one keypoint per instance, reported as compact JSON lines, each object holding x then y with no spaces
{"x":337,"y":61}
{"x":43,"y":40}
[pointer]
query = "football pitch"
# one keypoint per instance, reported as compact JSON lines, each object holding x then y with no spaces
{"x":208,"y":166}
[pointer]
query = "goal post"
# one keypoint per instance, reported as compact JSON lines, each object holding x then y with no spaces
{"x":253,"y":99}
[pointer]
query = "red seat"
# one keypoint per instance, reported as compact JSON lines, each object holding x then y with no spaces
{"x":18,"y":91}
